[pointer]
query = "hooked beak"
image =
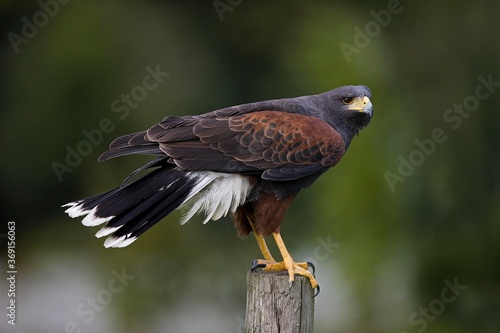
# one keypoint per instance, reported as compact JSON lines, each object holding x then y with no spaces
{"x":362,"y":105}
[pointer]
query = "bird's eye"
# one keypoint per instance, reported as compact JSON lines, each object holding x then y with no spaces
{"x":347,"y":100}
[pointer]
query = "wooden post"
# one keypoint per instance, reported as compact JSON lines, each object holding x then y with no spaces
{"x":273,"y":307}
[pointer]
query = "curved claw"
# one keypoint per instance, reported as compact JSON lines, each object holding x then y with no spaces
{"x":310,"y":264}
{"x":255,"y":265}
{"x":317,"y":291}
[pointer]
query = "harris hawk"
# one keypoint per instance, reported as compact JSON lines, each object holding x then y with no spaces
{"x":249,"y":160}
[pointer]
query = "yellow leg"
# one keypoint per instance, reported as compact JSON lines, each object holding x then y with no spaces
{"x":288,"y":264}
{"x":263,"y":247}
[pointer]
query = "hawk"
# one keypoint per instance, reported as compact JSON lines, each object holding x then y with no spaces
{"x":249,"y":160}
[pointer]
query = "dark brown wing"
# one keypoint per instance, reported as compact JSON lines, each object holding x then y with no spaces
{"x":282,"y":146}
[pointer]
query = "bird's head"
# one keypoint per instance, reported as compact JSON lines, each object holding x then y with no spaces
{"x":348,"y":109}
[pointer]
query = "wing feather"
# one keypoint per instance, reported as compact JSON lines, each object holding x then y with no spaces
{"x":279,"y":145}
{"x":291,"y":145}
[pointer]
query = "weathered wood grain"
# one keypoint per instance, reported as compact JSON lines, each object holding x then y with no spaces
{"x":274,"y":307}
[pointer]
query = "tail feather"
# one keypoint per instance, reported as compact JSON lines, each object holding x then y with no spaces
{"x":142,"y":216}
{"x":131,"y":209}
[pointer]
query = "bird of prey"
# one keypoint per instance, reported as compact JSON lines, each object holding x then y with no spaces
{"x":249,"y":160}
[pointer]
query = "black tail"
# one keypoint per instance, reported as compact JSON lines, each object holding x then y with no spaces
{"x":134,"y":207}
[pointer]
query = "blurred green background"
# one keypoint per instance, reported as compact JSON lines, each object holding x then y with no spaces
{"x":389,"y":228}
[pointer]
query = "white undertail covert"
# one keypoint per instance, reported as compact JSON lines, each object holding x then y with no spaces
{"x":215,"y":194}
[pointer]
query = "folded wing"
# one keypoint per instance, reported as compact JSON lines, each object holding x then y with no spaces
{"x":280,"y":146}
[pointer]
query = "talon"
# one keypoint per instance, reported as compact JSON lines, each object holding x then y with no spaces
{"x":288,"y":264}
{"x":310,"y":264}
{"x":254,"y":268}
{"x":317,"y":291}
{"x":257,"y":263}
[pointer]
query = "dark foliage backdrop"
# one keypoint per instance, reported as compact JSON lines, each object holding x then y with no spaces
{"x":404,"y":231}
